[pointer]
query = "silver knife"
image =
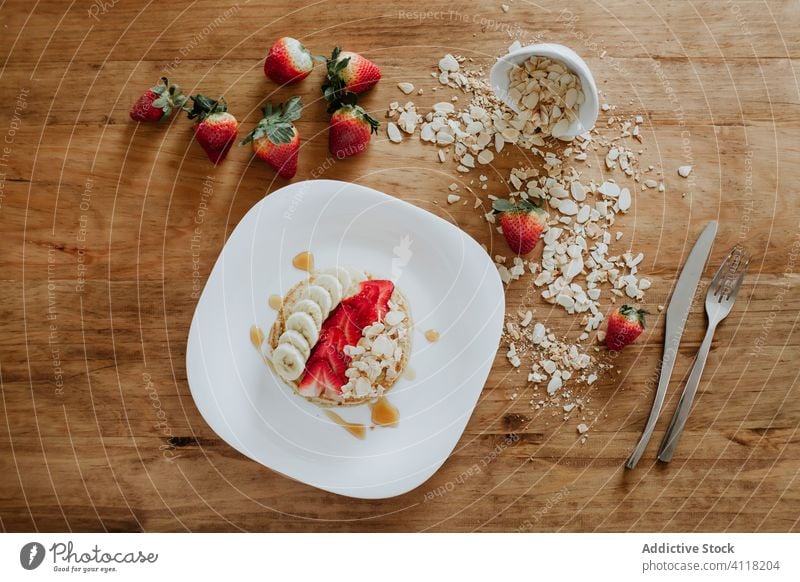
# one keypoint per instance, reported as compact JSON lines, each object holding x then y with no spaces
{"x":677,"y":313}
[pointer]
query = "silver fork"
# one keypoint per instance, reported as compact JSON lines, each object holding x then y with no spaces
{"x":719,"y":300}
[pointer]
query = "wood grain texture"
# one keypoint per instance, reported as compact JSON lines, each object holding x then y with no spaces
{"x":87,"y":444}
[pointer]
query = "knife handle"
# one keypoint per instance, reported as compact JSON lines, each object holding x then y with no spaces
{"x":678,"y":422}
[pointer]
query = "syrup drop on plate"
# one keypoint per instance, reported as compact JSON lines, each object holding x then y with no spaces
{"x":276,"y":302}
{"x":357,"y":430}
{"x":256,"y":337}
{"x":384,"y":413}
{"x":304,"y":261}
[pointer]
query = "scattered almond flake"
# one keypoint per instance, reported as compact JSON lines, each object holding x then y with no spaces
{"x":485,"y":157}
{"x":651,"y":183}
{"x":453,"y":198}
{"x":504,"y":7}
{"x":609,"y":189}
{"x":406,"y":87}
{"x":554,"y":385}
{"x":684,"y":171}
{"x":394,"y":133}
{"x":624,"y":200}
{"x":448,"y":64}
{"x":577,"y":261}
{"x":582,"y":428}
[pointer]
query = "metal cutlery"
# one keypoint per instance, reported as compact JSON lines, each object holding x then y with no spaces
{"x":677,"y":312}
{"x":719,"y":300}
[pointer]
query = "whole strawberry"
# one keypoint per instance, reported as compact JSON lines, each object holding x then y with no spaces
{"x":288,"y":61}
{"x":216,"y":128}
{"x":349,"y":72}
{"x":158,"y":102}
{"x":522,"y":224}
{"x":625,"y":324}
{"x":350,"y":130}
{"x":275,"y":139}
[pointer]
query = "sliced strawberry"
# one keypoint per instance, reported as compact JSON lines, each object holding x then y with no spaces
{"x":378,"y":292}
{"x":338,"y":362}
{"x":331,"y":347}
{"x":317,"y":378}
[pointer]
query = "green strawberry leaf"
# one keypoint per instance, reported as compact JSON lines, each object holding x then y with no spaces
{"x":502,"y":205}
{"x":291,"y":110}
{"x":203,"y":106}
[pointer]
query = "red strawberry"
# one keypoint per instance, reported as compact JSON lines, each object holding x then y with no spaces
{"x":625,"y":324}
{"x":349,"y":72}
{"x":288,"y":61}
{"x":350,"y":130}
{"x":345,"y":319}
{"x":158,"y":102}
{"x":378,"y":292}
{"x":319,"y":377}
{"x":216,"y":128}
{"x":522,"y":224}
{"x":275,"y":139}
{"x":331,"y":342}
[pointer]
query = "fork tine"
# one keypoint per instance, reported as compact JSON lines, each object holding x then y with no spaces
{"x":737,"y":258}
{"x":714,"y":287}
{"x":738,"y":283}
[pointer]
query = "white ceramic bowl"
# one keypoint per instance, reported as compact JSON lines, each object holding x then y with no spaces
{"x":451,"y":285}
{"x":587,"y":114}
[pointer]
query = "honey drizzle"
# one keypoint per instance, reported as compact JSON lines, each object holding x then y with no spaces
{"x":275,"y":302}
{"x":256,"y":337}
{"x":304,"y":261}
{"x":384,"y":413}
{"x":357,"y":430}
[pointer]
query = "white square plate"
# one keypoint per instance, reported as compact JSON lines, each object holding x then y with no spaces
{"x":451,"y":284}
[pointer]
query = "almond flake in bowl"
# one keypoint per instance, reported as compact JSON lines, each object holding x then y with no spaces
{"x":550,"y":87}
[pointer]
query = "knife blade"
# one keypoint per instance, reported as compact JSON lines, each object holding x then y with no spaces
{"x":677,"y":312}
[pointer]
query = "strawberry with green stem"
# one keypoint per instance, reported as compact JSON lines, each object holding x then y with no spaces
{"x":522,"y":223}
{"x":275,"y":139}
{"x":158,"y":102}
{"x":216,"y":128}
{"x":350,"y":128}
{"x":625,"y":324}
{"x":348,"y":72}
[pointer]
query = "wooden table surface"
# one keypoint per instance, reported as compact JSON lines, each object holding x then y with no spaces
{"x":99,"y":253}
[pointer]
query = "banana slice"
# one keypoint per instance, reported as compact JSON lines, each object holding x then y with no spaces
{"x":296,"y":339}
{"x":310,"y":307}
{"x":331,"y":285}
{"x":343,"y":275}
{"x":321,"y":297}
{"x":303,"y":323}
{"x":288,"y":362}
